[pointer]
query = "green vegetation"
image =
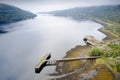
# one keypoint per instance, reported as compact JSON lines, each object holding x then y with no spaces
{"x":118,"y":66}
{"x":110,"y":54}
{"x":112,"y":50}
{"x":106,"y":13}
{"x":95,"y":52}
{"x":10,"y":13}
{"x":115,"y":28}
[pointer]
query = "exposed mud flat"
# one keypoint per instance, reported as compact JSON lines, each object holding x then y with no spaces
{"x":83,"y":69}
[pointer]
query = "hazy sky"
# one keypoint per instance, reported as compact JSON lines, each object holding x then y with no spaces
{"x":49,"y":5}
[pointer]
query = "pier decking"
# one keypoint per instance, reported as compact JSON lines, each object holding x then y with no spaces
{"x":47,"y":62}
{"x":42,"y":63}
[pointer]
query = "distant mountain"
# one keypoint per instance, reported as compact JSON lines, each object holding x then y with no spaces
{"x":9,"y":13}
{"x":107,"y":13}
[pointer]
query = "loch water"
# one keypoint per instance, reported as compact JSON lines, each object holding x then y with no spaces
{"x":26,"y":42}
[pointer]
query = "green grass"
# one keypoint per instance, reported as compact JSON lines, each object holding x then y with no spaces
{"x":110,"y":52}
{"x":115,"y":28}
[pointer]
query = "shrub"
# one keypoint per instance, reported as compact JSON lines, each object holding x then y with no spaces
{"x":95,"y":52}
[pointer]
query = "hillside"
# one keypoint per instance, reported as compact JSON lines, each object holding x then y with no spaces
{"x":111,"y":13}
{"x":9,"y":13}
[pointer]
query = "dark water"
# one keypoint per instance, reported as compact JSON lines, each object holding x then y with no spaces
{"x":28,"y":41}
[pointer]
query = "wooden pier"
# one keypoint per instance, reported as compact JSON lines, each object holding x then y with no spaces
{"x":42,"y":63}
{"x":90,"y":40}
{"x":47,"y":62}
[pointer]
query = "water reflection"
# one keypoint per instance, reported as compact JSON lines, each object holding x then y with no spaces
{"x":29,"y":40}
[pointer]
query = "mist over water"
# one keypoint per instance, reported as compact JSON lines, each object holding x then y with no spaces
{"x":28,"y":41}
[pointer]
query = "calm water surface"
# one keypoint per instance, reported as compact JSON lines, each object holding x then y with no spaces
{"x":28,"y":41}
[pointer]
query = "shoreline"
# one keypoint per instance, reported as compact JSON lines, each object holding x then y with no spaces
{"x":81,"y":51}
{"x":109,"y":35}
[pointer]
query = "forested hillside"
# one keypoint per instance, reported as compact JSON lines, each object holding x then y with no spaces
{"x":10,"y":13}
{"x":111,"y":13}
